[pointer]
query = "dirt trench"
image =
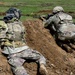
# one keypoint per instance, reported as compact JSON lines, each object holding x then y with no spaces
{"x":59,"y":62}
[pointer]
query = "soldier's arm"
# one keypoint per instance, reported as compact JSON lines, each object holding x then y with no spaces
{"x":23,"y":32}
{"x":47,"y":22}
{"x":45,"y":17}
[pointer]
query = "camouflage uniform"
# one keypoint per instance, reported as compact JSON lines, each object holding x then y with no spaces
{"x":62,"y":24}
{"x":19,"y":52}
{"x":14,"y":46}
{"x":62,"y":28}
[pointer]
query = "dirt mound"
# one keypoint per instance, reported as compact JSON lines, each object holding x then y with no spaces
{"x":58,"y":61}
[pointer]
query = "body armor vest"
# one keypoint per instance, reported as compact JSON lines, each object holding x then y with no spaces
{"x":64,"y":18}
{"x":15,"y":31}
{"x":66,"y":29}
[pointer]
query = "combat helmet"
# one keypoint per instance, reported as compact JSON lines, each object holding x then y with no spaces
{"x":57,"y":9}
{"x":12,"y":13}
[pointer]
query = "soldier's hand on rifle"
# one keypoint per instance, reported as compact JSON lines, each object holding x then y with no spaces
{"x":42,"y":17}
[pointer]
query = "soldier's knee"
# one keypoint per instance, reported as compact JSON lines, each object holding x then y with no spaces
{"x":42,"y":60}
{"x":16,"y":61}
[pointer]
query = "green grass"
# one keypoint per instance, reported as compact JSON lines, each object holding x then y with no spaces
{"x":33,"y":6}
{"x":28,"y":6}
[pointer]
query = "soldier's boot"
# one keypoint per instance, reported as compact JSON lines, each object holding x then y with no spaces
{"x":72,"y":46}
{"x":67,"y":48}
{"x":20,"y":71}
{"x":43,"y":70}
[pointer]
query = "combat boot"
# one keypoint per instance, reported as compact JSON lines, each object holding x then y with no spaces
{"x":72,"y":46}
{"x":43,"y":70}
{"x":67,"y":48}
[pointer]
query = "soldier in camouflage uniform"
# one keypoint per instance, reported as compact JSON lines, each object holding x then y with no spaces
{"x":62,"y":26}
{"x":14,"y":45}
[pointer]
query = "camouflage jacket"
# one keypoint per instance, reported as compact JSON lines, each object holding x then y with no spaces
{"x":58,"y":20}
{"x":63,"y":25}
{"x":13,"y":35}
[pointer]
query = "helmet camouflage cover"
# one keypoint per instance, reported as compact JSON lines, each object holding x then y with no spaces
{"x":12,"y":13}
{"x":57,"y":9}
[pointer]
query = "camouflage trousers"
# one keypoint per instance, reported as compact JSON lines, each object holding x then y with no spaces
{"x":16,"y":60}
